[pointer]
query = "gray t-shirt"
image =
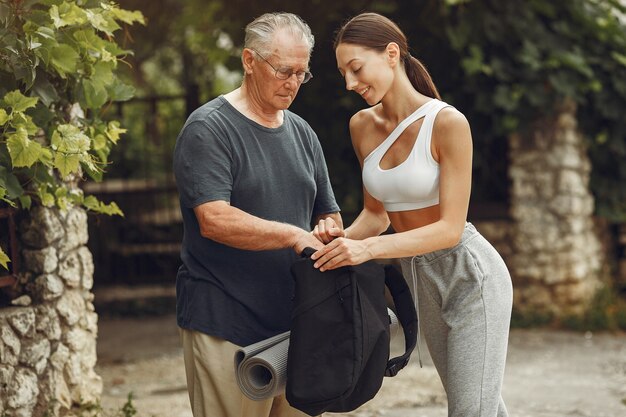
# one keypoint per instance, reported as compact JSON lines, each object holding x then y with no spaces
{"x":272,"y":173}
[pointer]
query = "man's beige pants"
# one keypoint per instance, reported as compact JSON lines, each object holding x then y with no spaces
{"x":213,"y":389}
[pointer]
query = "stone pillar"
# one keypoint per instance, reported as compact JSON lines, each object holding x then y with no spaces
{"x":48,"y":339}
{"x":556,"y":257}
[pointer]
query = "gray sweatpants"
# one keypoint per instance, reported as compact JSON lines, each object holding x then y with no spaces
{"x":464,"y":296}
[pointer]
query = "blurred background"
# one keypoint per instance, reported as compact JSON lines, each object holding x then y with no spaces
{"x":508,"y":66}
{"x":542,"y":83}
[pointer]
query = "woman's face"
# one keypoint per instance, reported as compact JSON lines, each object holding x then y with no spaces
{"x":366,"y":71}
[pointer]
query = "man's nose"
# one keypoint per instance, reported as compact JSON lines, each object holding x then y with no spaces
{"x":292,"y":81}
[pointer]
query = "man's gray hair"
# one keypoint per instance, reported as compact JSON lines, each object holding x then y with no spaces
{"x":260,"y":32}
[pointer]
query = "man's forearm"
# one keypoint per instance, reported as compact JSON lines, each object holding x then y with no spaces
{"x":234,"y":227}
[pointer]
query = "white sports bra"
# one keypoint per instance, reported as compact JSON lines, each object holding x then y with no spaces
{"x":413,"y":184}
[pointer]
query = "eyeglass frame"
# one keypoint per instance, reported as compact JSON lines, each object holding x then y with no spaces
{"x":306,"y":77}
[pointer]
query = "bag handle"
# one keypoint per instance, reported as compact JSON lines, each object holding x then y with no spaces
{"x":405,"y":310}
{"x":307,"y":252}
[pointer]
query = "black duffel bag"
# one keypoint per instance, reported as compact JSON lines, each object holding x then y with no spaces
{"x":339,"y":342}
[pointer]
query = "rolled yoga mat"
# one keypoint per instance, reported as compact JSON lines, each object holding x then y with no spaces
{"x":261,"y":368}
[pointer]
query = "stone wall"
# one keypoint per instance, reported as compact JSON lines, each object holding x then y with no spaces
{"x":48,"y":338}
{"x":556,"y":255}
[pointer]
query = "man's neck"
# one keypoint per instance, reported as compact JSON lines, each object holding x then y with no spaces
{"x":244,"y":102}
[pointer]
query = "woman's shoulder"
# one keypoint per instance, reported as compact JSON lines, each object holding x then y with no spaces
{"x":450,"y":118}
{"x":365,"y":119}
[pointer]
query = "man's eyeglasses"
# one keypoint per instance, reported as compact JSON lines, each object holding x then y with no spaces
{"x":285,"y":73}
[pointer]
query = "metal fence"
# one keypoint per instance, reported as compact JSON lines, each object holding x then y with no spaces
{"x":143,"y":246}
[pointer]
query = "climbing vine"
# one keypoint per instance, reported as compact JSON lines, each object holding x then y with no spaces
{"x":58,"y":63}
{"x":521,"y":58}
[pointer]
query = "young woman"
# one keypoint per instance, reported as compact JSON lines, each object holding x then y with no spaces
{"x":416,"y":157}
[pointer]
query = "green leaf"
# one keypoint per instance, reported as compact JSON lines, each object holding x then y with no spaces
{"x":46,"y":198}
{"x":3,"y":192}
{"x":99,"y":142}
{"x":24,"y":121}
{"x":26,"y":201}
{"x":45,"y":90}
{"x":120,"y":91}
{"x":95,"y":175}
{"x":46,"y":157}
{"x":10,"y":183}
{"x":114,"y":131}
{"x":18,"y":101}
{"x":64,"y":59}
{"x":103,"y":72}
{"x":620,"y":58}
{"x":24,"y":152}
{"x":95,"y":94}
{"x":66,"y":163}
{"x":126,"y":16}
{"x":4,"y":259}
{"x":102,"y":21}
{"x":111,"y":209}
{"x":68,"y":138}
{"x":45,"y":32}
{"x":4,"y":117}
{"x":92,"y":203}
{"x":67,"y":14}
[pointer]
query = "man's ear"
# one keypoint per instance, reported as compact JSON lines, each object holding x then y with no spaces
{"x":393,"y":53}
{"x":247,"y":60}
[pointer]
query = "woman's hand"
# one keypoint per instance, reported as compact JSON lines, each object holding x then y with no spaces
{"x":341,"y":252}
{"x":327,"y":230}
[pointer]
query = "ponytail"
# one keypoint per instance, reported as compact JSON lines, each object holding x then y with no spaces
{"x":374,"y":31}
{"x":419,"y":77}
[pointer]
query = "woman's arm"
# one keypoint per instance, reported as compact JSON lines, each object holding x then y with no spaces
{"x":452,"y":143}
{"x":373,"y":219}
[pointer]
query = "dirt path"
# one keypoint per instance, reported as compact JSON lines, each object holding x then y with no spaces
{"x":549,"y":374}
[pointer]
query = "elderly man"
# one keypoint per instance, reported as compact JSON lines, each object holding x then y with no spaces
{"x":252,"y":178}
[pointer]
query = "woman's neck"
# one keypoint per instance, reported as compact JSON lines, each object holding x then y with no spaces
{"x":401,"y":100}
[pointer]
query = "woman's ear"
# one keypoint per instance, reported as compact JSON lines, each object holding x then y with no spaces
{"x":393,"y":53}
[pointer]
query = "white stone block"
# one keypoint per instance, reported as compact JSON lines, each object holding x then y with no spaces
{"x":48,"y":322}
{"x":40,"y":261}
{"x":70,"y":269}
{"x":35,"y":354}
{"x":23,"y":390}
{"x":60,"y":357}
{"x":11,"y":341}
{"x":76,"y":230}
{"x":22,"y":319}
{"x":71,"y":307}
{"x":42,"y":227}
{"x":48,"y":287}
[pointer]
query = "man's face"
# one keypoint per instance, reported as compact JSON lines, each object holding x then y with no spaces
{"x":285,"y":53}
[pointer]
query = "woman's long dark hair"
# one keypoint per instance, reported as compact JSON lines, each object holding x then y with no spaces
{"x":374,"y":31}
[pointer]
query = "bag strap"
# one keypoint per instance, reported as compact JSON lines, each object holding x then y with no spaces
{"x":405,"y":310}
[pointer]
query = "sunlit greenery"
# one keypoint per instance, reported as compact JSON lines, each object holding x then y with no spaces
{"x":58,"y":65}
{"x":520,"y":59}
{"x":504,"y":64}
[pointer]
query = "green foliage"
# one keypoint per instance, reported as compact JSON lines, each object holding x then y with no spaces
{"x":4,"y":259}
{"x":521,"y":58}
{"x":58,"y":64}
{"x":607,"y":311}
{"x":530,"y":319}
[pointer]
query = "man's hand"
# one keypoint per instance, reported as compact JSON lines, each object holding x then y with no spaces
{"x":304,"y":240}
{"x":327,"y":230}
